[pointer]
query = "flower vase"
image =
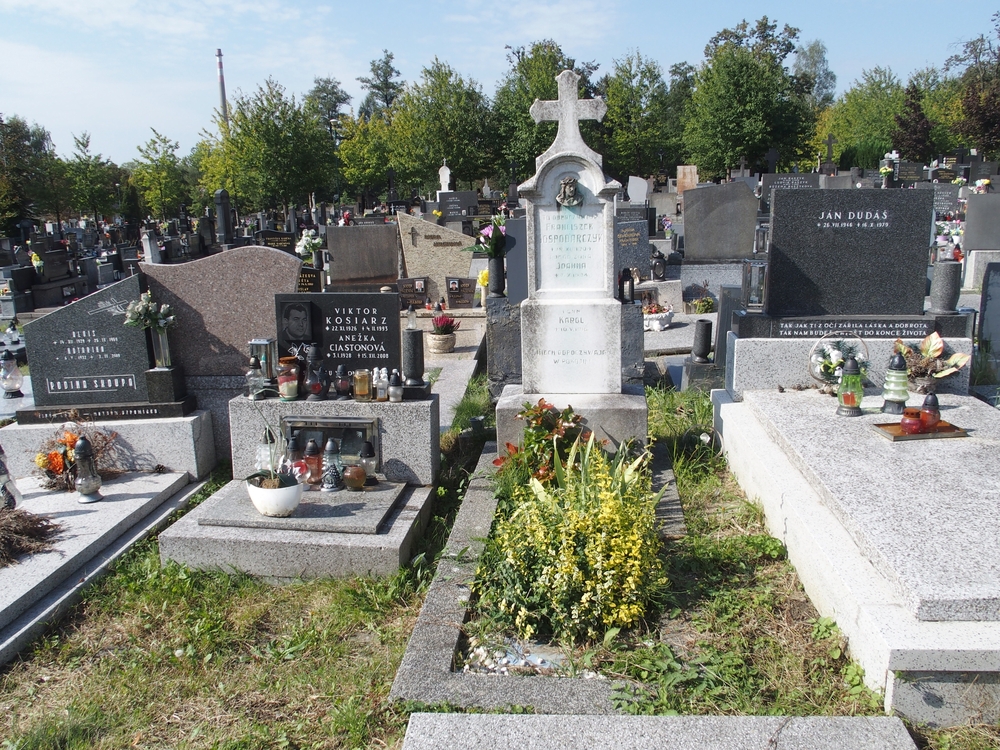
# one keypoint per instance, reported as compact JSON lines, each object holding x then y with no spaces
{"x":497,"y":282}
{"x":161,"y":348}
{"x":482,"y":296}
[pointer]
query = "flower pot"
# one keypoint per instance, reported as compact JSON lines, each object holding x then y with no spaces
{"x":441,"y":343}
{"x":161,"y":347}
{"x":657,"y":321}
{"x":278,"y":503}
{"x":923,"y":385}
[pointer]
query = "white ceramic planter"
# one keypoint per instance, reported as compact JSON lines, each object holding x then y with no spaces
{"x":278,"y":503}
{"x":657,"y":321}
{"x":441,"y":343}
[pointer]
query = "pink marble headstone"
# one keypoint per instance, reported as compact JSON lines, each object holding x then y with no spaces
{"x":222,"y":302}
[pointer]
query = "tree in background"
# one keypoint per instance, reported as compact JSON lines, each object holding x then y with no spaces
{"x":23,"y":150}
{"x":327,"y":97}
{"x":941,"y":100}
{"x":678,"y":96}
{"x":979,"y":62}
{"x":443,"y":116}
{"x":912,"y":136}
{"x":273,"y":152}
{"x":381,"y":87}
{"x":811,"y":66}
{"x":93,"y":179}
{"x":159,"y":176}
{"x":635,"y":127}
{"x":745,"y":101}
{"x":532,"y":75}
{"x":53,"y":187}
{"x":862,"y":119}
{"x":364,"y":154}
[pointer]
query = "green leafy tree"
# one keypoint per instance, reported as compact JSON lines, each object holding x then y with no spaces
{"x":273,"y":152}
{"x":532,"y":75}
{"x":675,"y":108}
{"x":327,"y":97}
{"x":365,"y":154}
{"x":979,"y":61}
{"x":635,"y":126}
{"x":381,"y":86}
{"x":159,"y":176}
{"x":862,"y":119}
{"x":53,"y":187}
{"x":744,"y":100}
{"x":442,"y":116}
{"x":811,"y":65}
{"x":93,"y":179}
{"x":23,"y":155}
{"x":912,"y":136}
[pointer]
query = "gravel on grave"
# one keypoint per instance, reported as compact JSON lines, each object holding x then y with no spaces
{"x":515,"y":657}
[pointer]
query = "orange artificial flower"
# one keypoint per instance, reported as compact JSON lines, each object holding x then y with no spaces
{"x":69,"y":440}
{"x":56,"y":463}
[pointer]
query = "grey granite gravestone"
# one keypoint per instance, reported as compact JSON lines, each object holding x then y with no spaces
{"x":517,"y":262}
{"x":632,"y":245}
{"x":356,"y":330}
{"x":848,"y":253}
{"x":989,"y":314}
{"x":83,"y":354}
{"x":945,"y":197}
{"x":784,"y":181}
{"x":719,"y":222}
{"x":365,"y":257}
{"x":983,"y":170}
{"x":433,"y":252}
{"x":982,"y":223}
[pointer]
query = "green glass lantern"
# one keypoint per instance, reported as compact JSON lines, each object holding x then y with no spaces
{"x":894,"y":391}
{"x":851,"y":391}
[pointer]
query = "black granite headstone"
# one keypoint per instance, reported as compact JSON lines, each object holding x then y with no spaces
{"x":357,"y":330}
{"x":456,"y":205}
{"x":632,"y":244}
{"x":784,"y":181}
{"x":631,"y":213}
{"x":946,"y":198}
{"x":909,"y":171}
{"x":278,"y":240}
{"x":983,"y":170}
{"x":844,"y":252}
{"x":461,"y":293}
{"x":310,"y":280}
{"x":84,"y":354}
{"x":412,"y":292}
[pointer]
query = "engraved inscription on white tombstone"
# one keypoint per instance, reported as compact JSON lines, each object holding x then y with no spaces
{"x":571,"y":254}
{"x":568,"y":340}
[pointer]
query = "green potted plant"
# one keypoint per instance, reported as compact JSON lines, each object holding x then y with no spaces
{"x":442,"y":339}
{"x":930,"y":362}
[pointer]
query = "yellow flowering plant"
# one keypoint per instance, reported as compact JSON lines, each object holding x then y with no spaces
{"x":483,"y":278}
{"x":580,"y":555}
{"x":56,"y":459}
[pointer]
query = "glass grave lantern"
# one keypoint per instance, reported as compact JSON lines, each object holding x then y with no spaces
{"x":851,"y":391}
{"x":266,"y":352}
{"x":894,"y":391}
{"x":755,"y":272}
{"x":88,"y":481}
{"x":11,"y":378}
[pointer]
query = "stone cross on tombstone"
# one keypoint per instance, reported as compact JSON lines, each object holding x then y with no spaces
{"x":568,"y":110}
{"x":830,"y":140}
{"x":391,"y":178}
{"x":743,"y":166}
{"x":444,"y":174}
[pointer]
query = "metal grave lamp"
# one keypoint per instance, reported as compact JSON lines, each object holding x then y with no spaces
{"x":88,"y":481}
{"x":266,"y":352}
{"x":11,"y":378}
{"x":851,"y":391}
{"x":755,"y":273}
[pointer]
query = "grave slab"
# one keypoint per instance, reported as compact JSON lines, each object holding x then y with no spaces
{"x":938,"y":672}
{"x":938,"y":548}
{"x":180,"y":444}
{"x":341,"y":512}
{"x":87,"y":529}
{"x":292,"y":554}
{"x":486,"y":732}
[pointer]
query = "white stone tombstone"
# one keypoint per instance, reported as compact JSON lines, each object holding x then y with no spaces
{"x":571,"y":322}
{"x":444,"y":174}
{"x":487,"y":190}
{"x":637,"y":188}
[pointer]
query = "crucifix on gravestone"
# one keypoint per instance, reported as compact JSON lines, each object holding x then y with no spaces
{"x":568,"y":110}
{"x":512,"y":197}
{"x":391,"y":177}
{"x":830,"y":140}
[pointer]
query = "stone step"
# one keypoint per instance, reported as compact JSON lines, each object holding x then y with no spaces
{"x":40,"y":587}
{"x":531,"y":732}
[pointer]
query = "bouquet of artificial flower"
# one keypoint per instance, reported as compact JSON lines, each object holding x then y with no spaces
{"x":147,"y":314}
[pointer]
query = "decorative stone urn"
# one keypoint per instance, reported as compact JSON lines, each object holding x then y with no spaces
{"x":441,"y":343}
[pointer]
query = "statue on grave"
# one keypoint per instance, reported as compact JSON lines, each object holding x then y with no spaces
{"x":568,"y":193}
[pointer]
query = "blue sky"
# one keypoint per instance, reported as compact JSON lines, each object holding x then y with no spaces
{"x":116,"y":68}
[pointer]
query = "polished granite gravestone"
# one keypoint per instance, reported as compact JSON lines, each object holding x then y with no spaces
{"x":278,"y":240}
{"x":632,"y":245}
{"x":848,"y":253}
{"x":719,"y":223}
{"x":356,"y":330}
{"x":982,"y":223}
{"x":84,"y":354}
{"x":989,"y":315}
{"x":785,"y":181}
{"x":433,"y":252}
{"x":363,"y":257}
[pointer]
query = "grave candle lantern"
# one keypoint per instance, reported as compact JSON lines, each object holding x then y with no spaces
{"x":88,"y":481}
{"x":342,"y":383}
{"x":288,"y":379}
{"x":368,"y":461}
{"x":314,"y":460}
{"x":255,"y":380}
{"x":11,"y":378}
{"x":851,"y":391}
{"x":894,"y":392}
{"x":332,"y":467}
